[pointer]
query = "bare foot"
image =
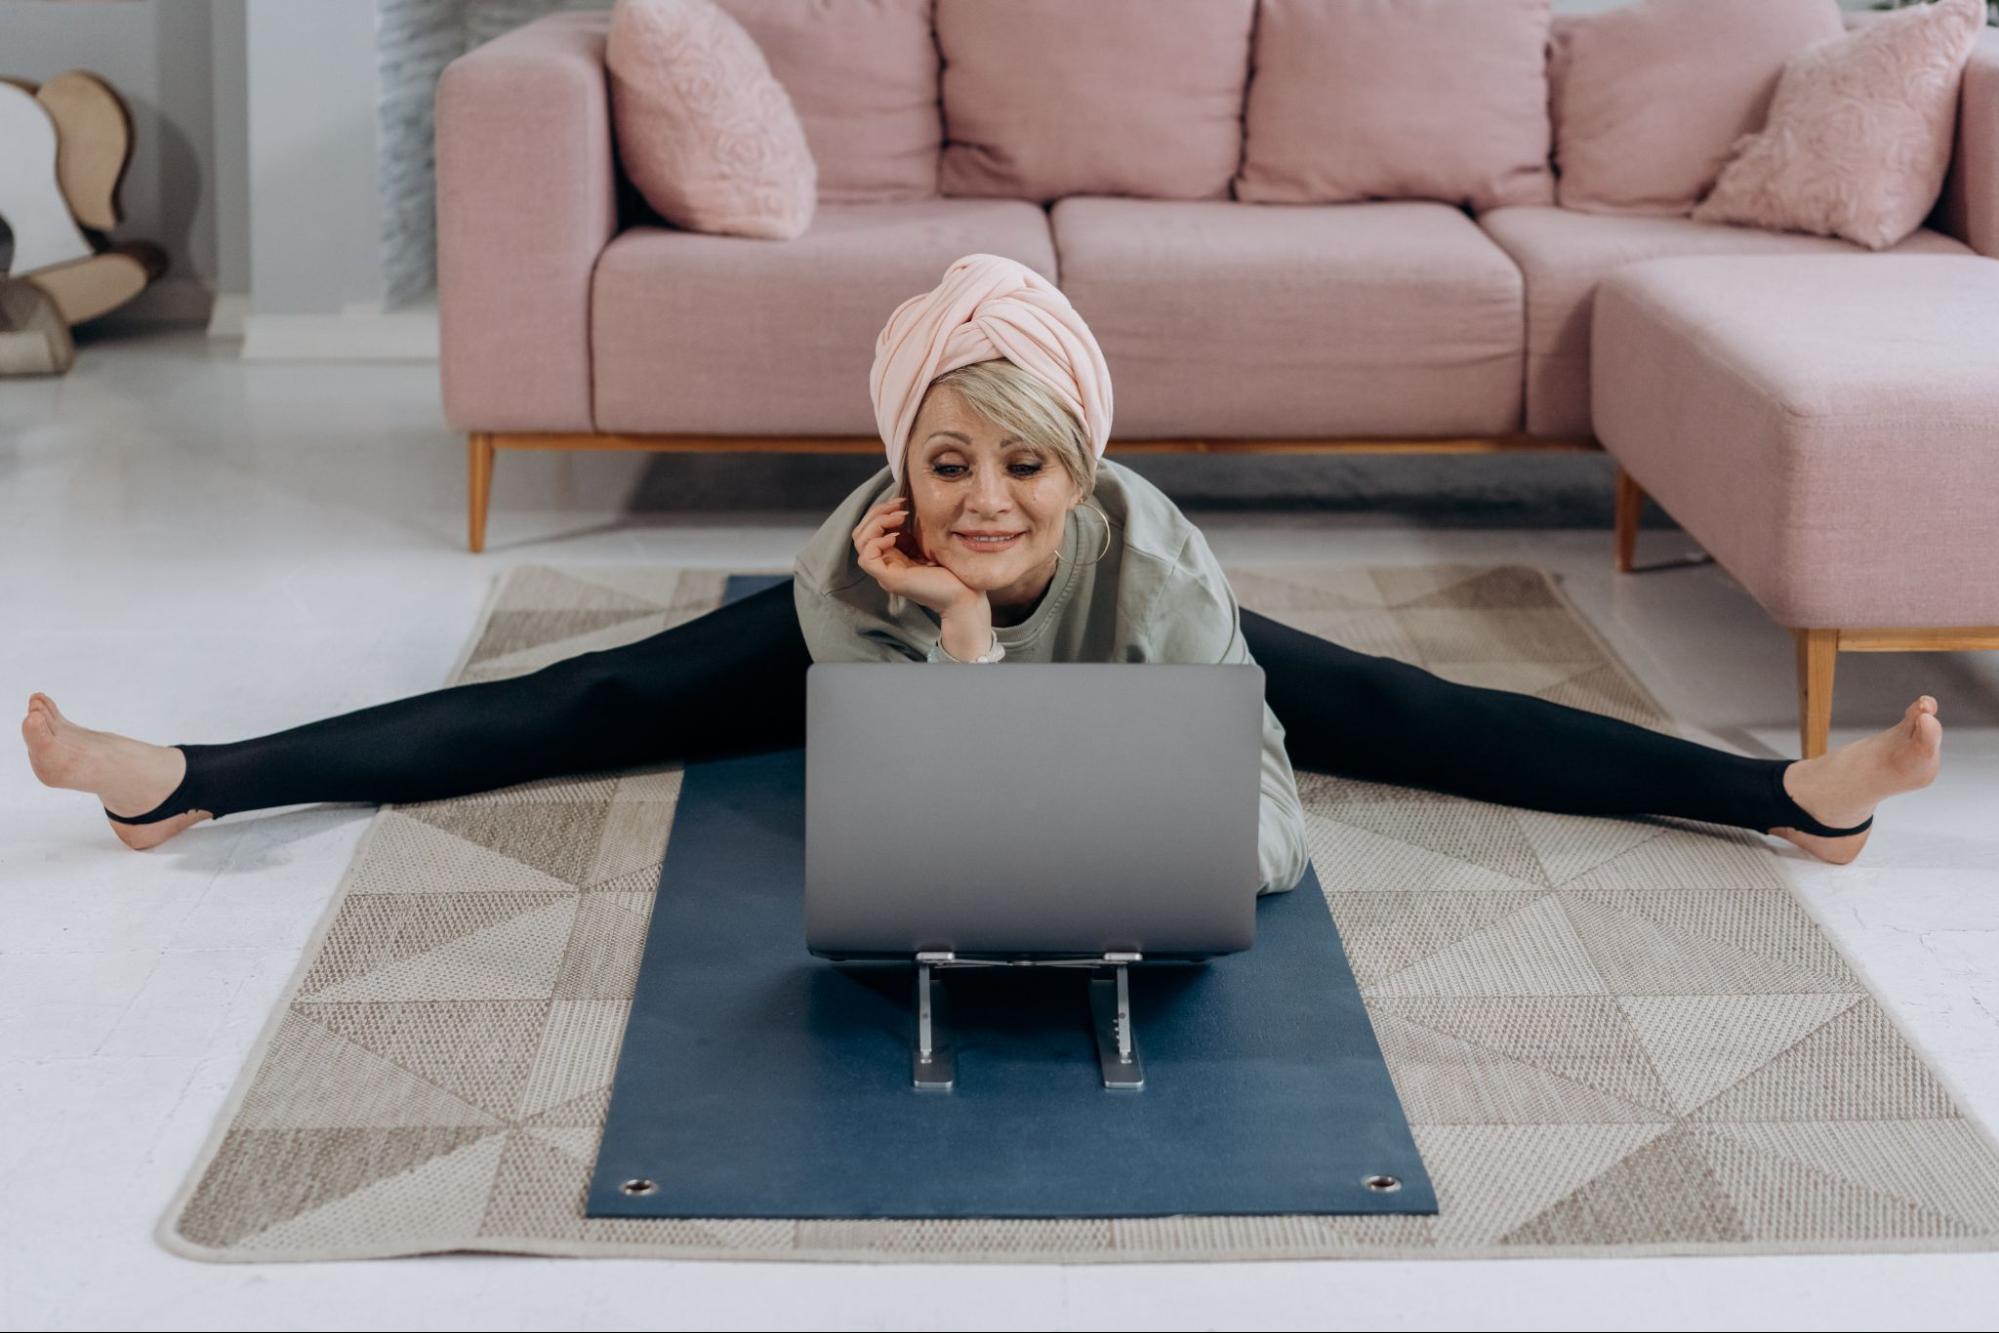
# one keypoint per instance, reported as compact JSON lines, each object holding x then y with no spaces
{"x":1841,"y":787}
{"x":128,"y":777}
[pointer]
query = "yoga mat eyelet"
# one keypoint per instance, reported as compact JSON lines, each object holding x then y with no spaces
{"x":1382,"y":1184}
{"x":638,"y":1187}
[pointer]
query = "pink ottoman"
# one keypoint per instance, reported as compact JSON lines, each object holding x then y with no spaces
{"x":1827,"y":426}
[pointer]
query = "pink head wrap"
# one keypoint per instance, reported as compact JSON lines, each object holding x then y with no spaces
{"x":988,"y":307}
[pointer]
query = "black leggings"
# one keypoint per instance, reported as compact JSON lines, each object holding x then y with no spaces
{"x":732,"y":681}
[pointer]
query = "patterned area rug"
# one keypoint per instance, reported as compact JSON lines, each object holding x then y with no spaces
{"x":1612,"y":1036}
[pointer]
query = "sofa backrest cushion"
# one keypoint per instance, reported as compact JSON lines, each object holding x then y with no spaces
{"x":862,"y":75}
{"x":1859,"y":133}
{"x":704,"y":132}
{"x":1046,"y":98}
{"x":1648,"y":99}
{"x":1398,"y":99}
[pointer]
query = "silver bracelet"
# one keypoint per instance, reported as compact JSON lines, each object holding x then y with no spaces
{"x":991,"y":654}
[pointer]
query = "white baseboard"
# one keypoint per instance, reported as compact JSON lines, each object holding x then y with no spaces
{"x":231,"y":309}
{"x":359,"y":333}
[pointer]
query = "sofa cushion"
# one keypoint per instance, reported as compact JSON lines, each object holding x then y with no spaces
{"x":1398,"y":99}
{"x":694,"y":333}
{"x":1393,"y":318}
{"x":1565,"y":254}
{"x":862,"y":75}
{"x":1822,"y":425}
{"x":1859,"y":133}
{"x":1045,"y":98}
{"x":704,"y":131}
{"x":1649,"y":98}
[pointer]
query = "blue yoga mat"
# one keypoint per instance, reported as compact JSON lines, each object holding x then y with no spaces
{"x":756,"y":1080}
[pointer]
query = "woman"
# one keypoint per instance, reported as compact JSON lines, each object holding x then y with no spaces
{"x":994,"y":405}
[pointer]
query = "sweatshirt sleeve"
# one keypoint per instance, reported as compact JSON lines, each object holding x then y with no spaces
{"x":848,"y":628}
{"x":843,"y":614}
{"x":1196,"y":619}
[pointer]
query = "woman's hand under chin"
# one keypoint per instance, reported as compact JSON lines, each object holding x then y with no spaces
{"x":878,"y":543}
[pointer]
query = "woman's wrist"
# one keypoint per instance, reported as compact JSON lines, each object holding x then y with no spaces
{"x":967,"y":630}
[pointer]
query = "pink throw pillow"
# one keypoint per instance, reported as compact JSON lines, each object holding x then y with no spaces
{"x":862,"y":75}
{"x":1046,"y":98}
{"x":1398,"y":99}
{"x":1648,"y":99}
{"x":1859,"y":135}
{"x":704,"y":131}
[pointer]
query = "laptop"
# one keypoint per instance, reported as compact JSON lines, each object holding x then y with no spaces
{"x":1031,"y":810}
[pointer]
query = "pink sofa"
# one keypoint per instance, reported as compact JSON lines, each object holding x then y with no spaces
{"x":573,"y":317}
{"x":1826,"y":430}
{"x":569,"y":310}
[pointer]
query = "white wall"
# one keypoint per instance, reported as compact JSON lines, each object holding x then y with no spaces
{"x":229,"y":75}
{"x":315,"y":212}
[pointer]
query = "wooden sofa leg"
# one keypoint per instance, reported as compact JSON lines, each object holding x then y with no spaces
{"x":479,"y":460}
{"x":1630,"y":501}
{"x":1817,"y":651}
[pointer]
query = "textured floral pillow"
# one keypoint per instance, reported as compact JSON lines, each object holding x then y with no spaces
{"x":1859,"y":133}
{"x":1647,"y":99}
{"x":705,"y":131}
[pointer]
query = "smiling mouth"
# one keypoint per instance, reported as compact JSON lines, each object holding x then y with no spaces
{"x":989,"y":544}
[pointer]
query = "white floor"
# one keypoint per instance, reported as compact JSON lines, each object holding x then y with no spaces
{"x":196,"y":549}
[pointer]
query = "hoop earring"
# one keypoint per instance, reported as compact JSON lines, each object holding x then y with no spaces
{"x":1107,"y":534}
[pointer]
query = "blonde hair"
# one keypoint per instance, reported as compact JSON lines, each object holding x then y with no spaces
{"x":1022,"y":405}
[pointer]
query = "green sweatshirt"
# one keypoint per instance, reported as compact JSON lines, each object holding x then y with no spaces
{"x":1157,"y":595}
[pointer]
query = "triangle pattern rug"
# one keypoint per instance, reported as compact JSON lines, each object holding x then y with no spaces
{"x":1611,"y":1036}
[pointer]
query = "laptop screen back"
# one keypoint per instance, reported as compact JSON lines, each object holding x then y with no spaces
{"x":1032,"y":809}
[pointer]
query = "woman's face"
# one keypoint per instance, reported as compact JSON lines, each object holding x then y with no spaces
{"x":965,"y":475}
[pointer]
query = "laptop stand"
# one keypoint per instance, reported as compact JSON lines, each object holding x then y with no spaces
{"x":934,"y":1067}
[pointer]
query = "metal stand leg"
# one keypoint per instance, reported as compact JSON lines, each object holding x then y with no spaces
{"x":934,"y":1070}
{"x":1117,"y":1046}
{"x":933,"y":1066}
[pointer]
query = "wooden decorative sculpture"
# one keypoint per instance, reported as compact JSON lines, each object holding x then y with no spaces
{"x":32,"y":201}
{"x":64,"y":148}
{"x":33,"y":338}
